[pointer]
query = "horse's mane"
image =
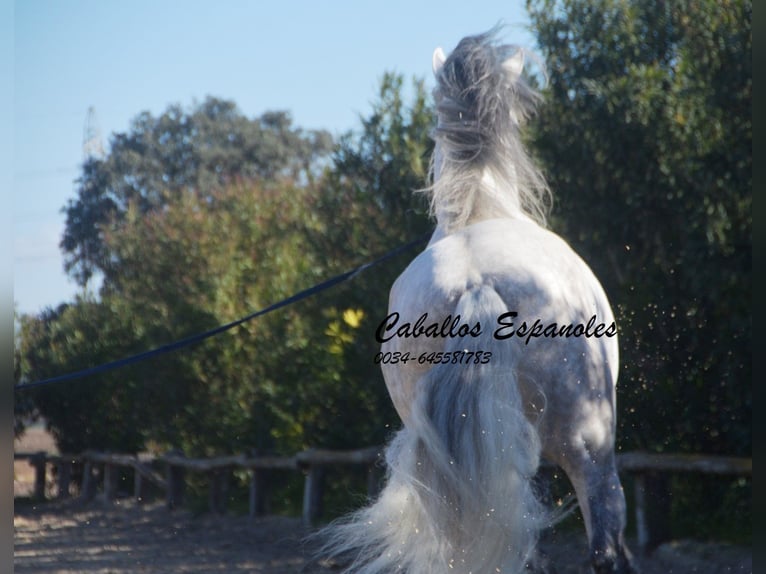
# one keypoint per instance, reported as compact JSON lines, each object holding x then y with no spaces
{"x":480,"y":106}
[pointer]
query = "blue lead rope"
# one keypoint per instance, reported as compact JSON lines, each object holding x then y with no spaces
{"x":170,"y":347}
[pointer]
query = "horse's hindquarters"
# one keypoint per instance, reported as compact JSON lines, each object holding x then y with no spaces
{"x":554,"y":315}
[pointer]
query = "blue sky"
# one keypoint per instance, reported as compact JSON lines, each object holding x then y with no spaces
{"x":319,"y":60}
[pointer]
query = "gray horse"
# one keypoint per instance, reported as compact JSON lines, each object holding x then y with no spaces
{"x":499,"y":348}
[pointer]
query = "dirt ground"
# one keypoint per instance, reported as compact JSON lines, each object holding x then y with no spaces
{"x":69,"y":538}
{"x":124,"y":537}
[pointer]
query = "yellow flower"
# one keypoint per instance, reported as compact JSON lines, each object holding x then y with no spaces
{"x":353,"y":317}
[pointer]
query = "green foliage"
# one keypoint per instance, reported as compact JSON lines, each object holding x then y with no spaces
{"x":647,"y":142}
{"x":23,"y":405}
{"x":197,"y":220}
{"x":374,"y":177}
{"x":200,"y":262}
{"x":162,"y":158}
{"x":367,"y":205}
{"x":103,"y":413}
{"x":726,"y":505}
{"x":646,"y":136}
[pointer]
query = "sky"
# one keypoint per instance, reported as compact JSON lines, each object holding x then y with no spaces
{"x":321,"y":61}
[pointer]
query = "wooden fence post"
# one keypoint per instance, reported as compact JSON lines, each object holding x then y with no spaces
{"x":642,"y":528}
{"x":111,"y":477}
{"x":88,"y":489}
{"x":38,"y":461}
{"x":175,"y":482}
{"x":312,"y":494}
{"x":373,"y":481}
{"x":258,"y":485}
{"x":219,"y":490}
{"x":138,"y":485}
{"x":652,"y":498}
{"x":258,"y":489}
{"x":64,"y":478}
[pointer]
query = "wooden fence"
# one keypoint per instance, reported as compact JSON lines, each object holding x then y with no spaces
{"x":649,"y":472}
{"x":313,"y":463}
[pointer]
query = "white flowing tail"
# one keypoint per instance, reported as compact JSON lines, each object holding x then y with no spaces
{"x":459,"y":496}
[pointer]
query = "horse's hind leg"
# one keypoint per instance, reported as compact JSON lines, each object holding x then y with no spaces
{"x":602,"y":502}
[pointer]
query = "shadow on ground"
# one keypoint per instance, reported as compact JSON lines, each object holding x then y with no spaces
{"x":122,"y":538}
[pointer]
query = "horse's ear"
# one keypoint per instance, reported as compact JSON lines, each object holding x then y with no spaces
{"x":438,"y":60}
{"x":514,"y":65}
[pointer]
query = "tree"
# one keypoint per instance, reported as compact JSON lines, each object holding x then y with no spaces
{"x":203,"y":261}
{"x":306,"y":373}
{"x":23,"y":406}
{"x":196,"y":220}
{"x":162,"y":158}
{"x":368,"y":204}
{"x":646,"y":136}
{"x":103,"y":413}
{"x":374,"y":179}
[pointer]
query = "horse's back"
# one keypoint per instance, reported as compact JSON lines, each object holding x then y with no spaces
{"x":516,"y":256}
{"x":534,"y":271}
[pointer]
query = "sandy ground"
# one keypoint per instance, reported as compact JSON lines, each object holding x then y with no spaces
{"x":69,"y":538}
{"x":124,"y":537}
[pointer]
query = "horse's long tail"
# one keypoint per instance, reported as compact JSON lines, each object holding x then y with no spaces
{"x":458,"y":496}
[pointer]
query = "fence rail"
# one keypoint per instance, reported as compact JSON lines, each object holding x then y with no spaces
{"x":313,"y":463}
{"x":649,"y":471}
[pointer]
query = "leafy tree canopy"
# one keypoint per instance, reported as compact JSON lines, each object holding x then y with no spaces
{"x":647,"y":139}
{"x":182,"y":255}
{"x":161,"y":158}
